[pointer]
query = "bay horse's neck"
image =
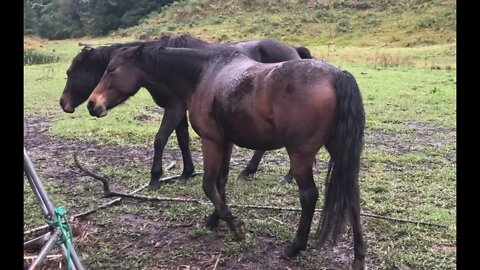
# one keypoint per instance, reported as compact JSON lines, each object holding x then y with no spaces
{"x":178,"y":70}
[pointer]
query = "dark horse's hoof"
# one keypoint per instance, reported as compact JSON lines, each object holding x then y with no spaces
{"x":291,"y":251}
{"x":185,"y":176}
{"x":245,"y":175}
{"x":287,"y":179}
{"x":238,"y":228}
{"x":154,"y":184}
{"x":359,"y":264}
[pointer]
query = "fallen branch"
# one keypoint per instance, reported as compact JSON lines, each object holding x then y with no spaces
{"x":199,"y":202}
{"x":106,"y":186}
{"x":216,"y":262}
{"x":36,"y":243}
{"x":44,"y":229}
{"x":55,"y":256}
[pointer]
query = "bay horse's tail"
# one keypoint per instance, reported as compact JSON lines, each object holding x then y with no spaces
{"x":345,"y":146}
{"x":303,"y":52}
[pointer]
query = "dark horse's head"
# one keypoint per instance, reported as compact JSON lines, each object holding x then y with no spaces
{"x":120,"y":81}
{"x":80,"y":80}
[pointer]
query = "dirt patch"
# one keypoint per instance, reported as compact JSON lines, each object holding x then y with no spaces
{"x":150,"y":115}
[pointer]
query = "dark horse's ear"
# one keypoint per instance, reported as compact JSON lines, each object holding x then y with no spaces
{"x":139,"y":49}
{"x":134,"y":51}
{"x":86,"y":52}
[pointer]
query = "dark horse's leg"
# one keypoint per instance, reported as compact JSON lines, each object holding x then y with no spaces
{"x":253,"y":166}
{"x":301,"y":165}
{"x":184,"y":143}
{"x":171,"y":119}
{"x":216,"y":156}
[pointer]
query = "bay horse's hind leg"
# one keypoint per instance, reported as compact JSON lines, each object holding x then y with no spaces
{"x":214,"y":155}
{"x":359,"y":248}
{"x":184,"y":143}
{"x":301,"y":166}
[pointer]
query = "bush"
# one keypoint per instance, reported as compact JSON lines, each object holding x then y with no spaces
{"x":33,"y":57}
{"x":343,"y":25}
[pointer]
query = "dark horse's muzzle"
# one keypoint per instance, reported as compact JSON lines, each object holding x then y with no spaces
{"x":66,"y":105}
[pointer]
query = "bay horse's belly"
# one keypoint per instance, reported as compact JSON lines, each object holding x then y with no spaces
{"x":257,"y":139}
{"x":253,"y":125}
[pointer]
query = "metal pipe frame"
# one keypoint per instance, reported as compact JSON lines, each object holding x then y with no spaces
{"x":48,"y":211}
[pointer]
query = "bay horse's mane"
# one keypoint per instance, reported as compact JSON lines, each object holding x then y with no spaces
{"x":152,"y":51}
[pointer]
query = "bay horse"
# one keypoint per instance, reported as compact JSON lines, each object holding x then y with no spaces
{"x":301,"y":105}
{"x":88,"y":66}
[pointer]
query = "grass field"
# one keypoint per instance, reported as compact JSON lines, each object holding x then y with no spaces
{"x":403,"y":55}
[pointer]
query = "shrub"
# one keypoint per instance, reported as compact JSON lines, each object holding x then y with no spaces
{"x":33,"y":57}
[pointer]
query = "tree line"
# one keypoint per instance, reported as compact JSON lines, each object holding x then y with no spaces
{"x":61,"y":19}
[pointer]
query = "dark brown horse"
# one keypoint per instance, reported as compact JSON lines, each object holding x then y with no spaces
{"x":89,"y":65}
{"x":301,"y":105}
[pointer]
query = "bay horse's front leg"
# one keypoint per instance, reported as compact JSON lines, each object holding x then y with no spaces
{"x":171,"y":119}
{"x":212,"y":220}
{"x":216,"y":156}
{"x":184,"y":143}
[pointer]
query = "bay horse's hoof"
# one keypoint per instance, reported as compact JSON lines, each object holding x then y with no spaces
{"x":212,"y":222}
{"x":154,"y":184}
{"x":238,"y":228}
{"x":359,"y":264}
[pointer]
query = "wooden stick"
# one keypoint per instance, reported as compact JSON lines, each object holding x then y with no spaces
{"x":188,"y":200}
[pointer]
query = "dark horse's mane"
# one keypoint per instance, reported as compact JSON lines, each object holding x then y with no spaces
{"x":180,"y":41}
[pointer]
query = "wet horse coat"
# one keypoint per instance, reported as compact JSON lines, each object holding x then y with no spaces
{"x":301,"y":105}
{"x":89,"y":65}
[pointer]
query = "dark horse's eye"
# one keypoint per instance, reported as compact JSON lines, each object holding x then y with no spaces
{"x":69,"y":72}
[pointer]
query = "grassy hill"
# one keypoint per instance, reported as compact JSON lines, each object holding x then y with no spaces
{"x":403,"y":23}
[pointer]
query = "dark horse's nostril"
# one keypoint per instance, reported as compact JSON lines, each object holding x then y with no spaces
{"x":90,"y":106}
